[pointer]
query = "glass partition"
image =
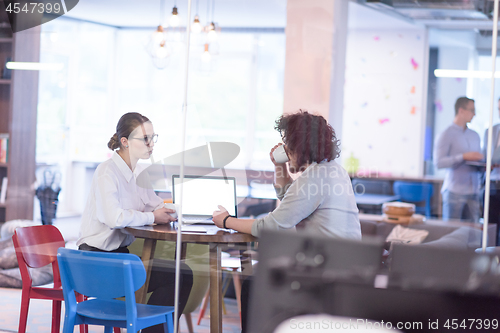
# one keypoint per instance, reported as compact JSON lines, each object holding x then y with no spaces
{"x":395,"y":109}
{"x":235,"y":98}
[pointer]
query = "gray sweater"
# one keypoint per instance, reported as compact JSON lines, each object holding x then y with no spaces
{"x":321,"y":199}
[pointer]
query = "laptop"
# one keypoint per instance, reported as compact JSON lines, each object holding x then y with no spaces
{"x":495,"y":159}
{"x":202,"y":195}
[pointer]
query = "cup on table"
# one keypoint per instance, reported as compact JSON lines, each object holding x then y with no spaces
{"x":172,"y":206}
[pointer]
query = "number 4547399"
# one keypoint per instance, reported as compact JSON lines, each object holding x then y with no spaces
{"x":470,"y":324}
{"x":33,"y":7}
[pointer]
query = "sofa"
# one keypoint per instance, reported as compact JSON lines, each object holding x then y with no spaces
{"x":460,"y":235}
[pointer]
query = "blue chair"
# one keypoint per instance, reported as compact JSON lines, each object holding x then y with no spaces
{"x":415,"y":193}
{"x":103,"y":277}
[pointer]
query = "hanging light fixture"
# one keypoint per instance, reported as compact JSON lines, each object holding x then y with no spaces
{"x":159,"y":35}
{"x":205,"y":56}
{"x":157,"y":47}
{"x":211,"y":28}
{"x":211,"y":33}
{"x":174,"y":19}
{"x":162,"y":51}
{"x":196,"y":27}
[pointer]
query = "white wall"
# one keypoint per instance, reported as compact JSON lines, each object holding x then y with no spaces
{"x":384,"y":100}
{"x":455,"y":51}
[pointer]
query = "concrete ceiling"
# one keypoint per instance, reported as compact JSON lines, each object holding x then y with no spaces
{"x":146,"y":13}
{"x":272,"y":14}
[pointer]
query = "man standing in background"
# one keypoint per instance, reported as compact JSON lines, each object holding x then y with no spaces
{"x":454,"y":148}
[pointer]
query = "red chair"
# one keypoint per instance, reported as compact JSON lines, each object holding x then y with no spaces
{"x":36,"y":247}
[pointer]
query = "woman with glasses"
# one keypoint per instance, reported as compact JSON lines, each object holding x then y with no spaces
{"x":116,"y":201}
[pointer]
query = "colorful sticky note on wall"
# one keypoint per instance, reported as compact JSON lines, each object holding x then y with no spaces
{"x":383,"y":121}
{"x":414,"y":64}
{"x":412,"y":90}
{"x":439,"y":105}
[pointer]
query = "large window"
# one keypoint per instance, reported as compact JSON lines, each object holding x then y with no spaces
{"x":108,"y":72}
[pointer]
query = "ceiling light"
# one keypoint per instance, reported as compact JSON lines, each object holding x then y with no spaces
{"x":162,"y":51}
{"x":159,"y":35}
{"x":206,"y":57}
{"x":456,"y":73}
{"x":157,"y":47}
{"x":174,"y":19}
{"x":211,"y":33}
{"x":211,"y":29}
{"x":34,"y":66}
{"x":196,"y":27}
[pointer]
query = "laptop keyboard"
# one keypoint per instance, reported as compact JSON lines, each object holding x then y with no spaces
{"x":197,"y":220}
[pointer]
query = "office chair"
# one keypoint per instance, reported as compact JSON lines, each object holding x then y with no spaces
{"x":36,"y":246}
{"x":415,"y":193}
{"x":232,"y":267}
{"x":104,"y":277}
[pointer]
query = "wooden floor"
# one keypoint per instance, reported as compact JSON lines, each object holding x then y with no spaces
{"x":39,"y":317}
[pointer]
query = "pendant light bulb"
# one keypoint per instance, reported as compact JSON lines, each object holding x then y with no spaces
{"x":211,"y":35}
{"x":206,"y":57}
{"x":158,"y":35}
{"x":174,"y":19}
{"x":196,"y":27}
{"x":162,"y":51}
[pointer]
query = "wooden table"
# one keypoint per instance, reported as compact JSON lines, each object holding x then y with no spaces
{"x":216,"y":238}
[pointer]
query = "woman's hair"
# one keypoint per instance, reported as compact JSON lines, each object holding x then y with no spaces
{"x":309,"y":137}
{"x":127,"y":123}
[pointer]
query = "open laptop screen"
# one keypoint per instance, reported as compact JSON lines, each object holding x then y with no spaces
{"x":202,"y":194}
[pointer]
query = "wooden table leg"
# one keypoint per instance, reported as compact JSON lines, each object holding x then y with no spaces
{"x":148,"y":253}
{"x":237,"y":288}
{"x":215,"y":289}
{"x":183,"y":251}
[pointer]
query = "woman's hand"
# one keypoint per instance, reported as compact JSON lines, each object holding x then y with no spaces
{"x":219,"y":215}
{"x":162,"y":215}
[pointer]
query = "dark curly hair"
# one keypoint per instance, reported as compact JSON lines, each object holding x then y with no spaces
{"x":309,"y":137}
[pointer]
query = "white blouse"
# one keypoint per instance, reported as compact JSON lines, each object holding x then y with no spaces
{"x":115,"y":201}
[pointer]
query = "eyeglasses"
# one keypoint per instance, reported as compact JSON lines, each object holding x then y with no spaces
{"x":148,"y":139}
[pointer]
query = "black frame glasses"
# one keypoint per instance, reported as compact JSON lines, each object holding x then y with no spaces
{"x":148,"y":139}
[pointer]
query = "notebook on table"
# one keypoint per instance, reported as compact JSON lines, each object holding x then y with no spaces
{"x":202,"y":195}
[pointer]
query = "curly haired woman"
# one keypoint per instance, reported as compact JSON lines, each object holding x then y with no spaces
{"x":320,"y":199}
